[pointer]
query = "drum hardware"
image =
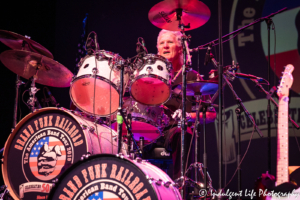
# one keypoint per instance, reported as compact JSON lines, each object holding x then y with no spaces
{"x":85,"y":156}
{"x":4,"y":193}
{"x":104,"y":81}
{"x":19,"y":42}
{"x":151,"y":84}
{"x":146,"y":121}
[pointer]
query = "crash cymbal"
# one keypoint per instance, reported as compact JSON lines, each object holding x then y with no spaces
{"x":194,"y":12}
{"x":25,"y":64}
{"x":15,"y":41}
{"x":204,"y":87}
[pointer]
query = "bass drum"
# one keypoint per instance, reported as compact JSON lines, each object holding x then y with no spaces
{"x":47,"y":142}
{"x":114,"y":177}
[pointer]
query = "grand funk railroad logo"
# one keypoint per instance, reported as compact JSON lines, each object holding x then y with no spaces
{"x":104,"y":177}
{"x":41,"y":149}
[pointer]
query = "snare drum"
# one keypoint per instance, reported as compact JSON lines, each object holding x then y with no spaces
{"x":47,"y":142}
{"x":152,"y":82}
{"x":114,"y":177}
{"x":147,"y":121}
{"x":105,"y":93}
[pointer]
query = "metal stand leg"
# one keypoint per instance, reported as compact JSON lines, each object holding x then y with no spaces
{"x":238,"y":114}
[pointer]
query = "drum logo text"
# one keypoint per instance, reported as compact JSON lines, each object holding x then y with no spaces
{"x":101,"y":179}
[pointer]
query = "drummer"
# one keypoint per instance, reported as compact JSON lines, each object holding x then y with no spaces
{"x":169,"y":46}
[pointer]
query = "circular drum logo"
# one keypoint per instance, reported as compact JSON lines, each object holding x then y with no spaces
{"x":108,"y":177}
{"x":47,"y":158}
{"x":43,"y":145}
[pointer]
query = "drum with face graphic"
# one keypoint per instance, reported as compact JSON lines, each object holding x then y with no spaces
{"x":152,"y":80}
{"x":47,"y":142}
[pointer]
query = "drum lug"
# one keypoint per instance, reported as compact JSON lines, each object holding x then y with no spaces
{"x":84,"y":127}
{"x":92,"y":129}
{"x":159,"y":182}
{"x":95,"y":71}
{"x":150,"y":61}
{"x":149,"y":70}
{"x":150,"y":179}
{"x":120,"y":155}
{"x":167,"y":184}
{"x":138,"y":160}
{"x":85,"y":156}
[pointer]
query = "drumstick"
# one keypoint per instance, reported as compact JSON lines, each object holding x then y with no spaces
{"x":165,"y":107}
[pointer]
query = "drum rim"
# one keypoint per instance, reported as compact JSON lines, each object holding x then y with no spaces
{"x":151,"y":76}
{"x":80,"y":63}
{"x":11,"y":137}
{"x":159,"y":57}
{"x":99,"y":78}
{"x":78,"y":163}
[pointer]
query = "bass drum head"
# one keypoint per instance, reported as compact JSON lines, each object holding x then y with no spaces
{"x":111,"y":177}
{"x":41,"y":147}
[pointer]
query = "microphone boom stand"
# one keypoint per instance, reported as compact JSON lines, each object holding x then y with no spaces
{"x":121,"y":117}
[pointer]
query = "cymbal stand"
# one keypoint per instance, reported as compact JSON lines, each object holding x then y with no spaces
{"x":33,"y":90}
{"x":197,"y":126}
{"x":18,"y":83}
{"x":204,"y":106}
{"x":120,"y":115}
{"x":184,"y":39}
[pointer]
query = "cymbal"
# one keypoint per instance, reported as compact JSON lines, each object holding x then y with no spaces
{"x":15,"y":41}
{"x":25,"y":64}
{"x":194,"y":12}
{"x":205,"y":87}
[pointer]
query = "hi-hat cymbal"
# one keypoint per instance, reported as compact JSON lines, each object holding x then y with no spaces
{"x":15,"y":41}
{"x":194,"y":12}
{"x":193,"y":87}
{"x":25,"y":64}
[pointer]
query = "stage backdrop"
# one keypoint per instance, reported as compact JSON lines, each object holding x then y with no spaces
{"x":57,"y":25}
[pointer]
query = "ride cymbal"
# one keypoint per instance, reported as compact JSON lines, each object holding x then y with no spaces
{"x":193,"y":12}
{"x":26,"y":64}
{"x":15,"y":41}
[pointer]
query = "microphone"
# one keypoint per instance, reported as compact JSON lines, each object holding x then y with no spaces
{"x":144,"y":45}
{"x":96,"y":42}
{"x":248,"y":76}
{"x":52,"y":99}
{"x":90,"y":44}
{"x":207,"y":55}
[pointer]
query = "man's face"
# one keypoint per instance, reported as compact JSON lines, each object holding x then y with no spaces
{"x":167,"y":47}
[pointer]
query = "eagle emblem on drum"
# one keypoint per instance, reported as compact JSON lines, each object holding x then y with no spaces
{"x":47,"y":158}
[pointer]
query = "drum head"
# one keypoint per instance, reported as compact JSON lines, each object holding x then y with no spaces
{"x":43,"y":145}
{"x":140,"y":129}
{"x":104,"y":177}
{"x":150,"y":91}
{"x":106,"y":96}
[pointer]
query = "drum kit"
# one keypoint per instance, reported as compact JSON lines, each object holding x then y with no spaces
{"x":78,"y":151}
